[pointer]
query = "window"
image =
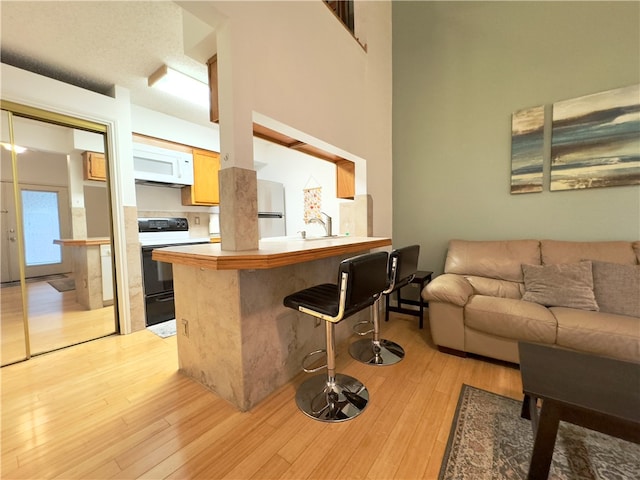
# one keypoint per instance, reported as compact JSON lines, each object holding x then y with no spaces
{"x":41,"y":227}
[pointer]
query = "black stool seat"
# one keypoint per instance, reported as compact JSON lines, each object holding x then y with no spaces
{"x":325,"y":299}
{"x":361,"y":281}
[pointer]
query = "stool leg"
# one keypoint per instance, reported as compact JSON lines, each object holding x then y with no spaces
{"x":331,"y":353}
{"x":376,"y":351}
{"x":334,"y":397}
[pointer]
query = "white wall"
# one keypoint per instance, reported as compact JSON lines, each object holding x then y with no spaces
{"x":460,"y":70}
{"x":36,"y":168}
{"x":297,"y":171}
{"x":295,"y":63}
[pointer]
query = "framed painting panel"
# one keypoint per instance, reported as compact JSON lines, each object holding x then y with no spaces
{"x":595,"y":140}
{"x":527,"y":147}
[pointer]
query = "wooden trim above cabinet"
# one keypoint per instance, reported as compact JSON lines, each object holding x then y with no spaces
{"x":345,"y":169}
{"x":157,"y":142}
{"x":214,"y":108}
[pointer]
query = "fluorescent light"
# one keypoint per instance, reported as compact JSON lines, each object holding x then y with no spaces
{"x":181,"y":85}
{"x":16,"y":148}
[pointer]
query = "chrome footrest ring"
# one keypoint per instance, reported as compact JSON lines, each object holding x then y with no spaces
{"x":308,"y":356}
{"x":358,"y":332}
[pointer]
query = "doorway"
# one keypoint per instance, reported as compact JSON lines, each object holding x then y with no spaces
{"x":45,"y":218}
{"x":56,"y":278}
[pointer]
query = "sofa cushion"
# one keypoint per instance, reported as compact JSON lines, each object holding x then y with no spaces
{"x":492,"y":259}
{"x":617,"y":288}
{"x":555,"y":251}
{"x":600,"y":333}
{"x":495,"y":288}
{"x":562,"y":285}
{"x":510,"y":318}
{"x":636,"y":249}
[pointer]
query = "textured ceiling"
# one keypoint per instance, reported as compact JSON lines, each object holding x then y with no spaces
{"x":98,"y":44}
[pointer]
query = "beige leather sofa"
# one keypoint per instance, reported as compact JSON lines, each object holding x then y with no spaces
{"x":494,"y":293}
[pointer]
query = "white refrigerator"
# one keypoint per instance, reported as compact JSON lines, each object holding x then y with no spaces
{"x":271,"y":214}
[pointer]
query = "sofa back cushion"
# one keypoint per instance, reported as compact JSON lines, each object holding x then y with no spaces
{"x":501,"y":260}
{"x":617,"y":288}
{"x":555,"y":251}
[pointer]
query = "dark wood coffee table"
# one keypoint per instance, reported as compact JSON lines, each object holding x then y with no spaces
{"x":595,"y":392}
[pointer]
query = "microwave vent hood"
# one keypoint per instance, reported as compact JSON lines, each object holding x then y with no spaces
{"x":162,"y":166}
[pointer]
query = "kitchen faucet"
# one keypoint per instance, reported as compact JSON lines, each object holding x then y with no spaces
{"x":326,"y":223}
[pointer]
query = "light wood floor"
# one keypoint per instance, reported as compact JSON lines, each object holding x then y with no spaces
{"x":56,"y":320}
{"x":117,"y":408}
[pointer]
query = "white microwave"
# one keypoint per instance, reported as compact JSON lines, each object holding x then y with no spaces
{"x":156,"y":165}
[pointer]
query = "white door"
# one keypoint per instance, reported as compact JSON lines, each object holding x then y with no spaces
{"x":10,"y":268}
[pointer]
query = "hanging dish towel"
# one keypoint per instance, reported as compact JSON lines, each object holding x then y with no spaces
{"x":312,"y":203}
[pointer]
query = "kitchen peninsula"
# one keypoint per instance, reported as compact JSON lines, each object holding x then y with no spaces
{"x":234,"y":335}
{"x":88,"y":270}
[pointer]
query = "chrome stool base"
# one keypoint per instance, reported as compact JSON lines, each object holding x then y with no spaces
{"x":337,"y":402}
{"x":383,"y":352}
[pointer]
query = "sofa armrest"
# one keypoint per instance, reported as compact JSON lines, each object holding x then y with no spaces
{"x":448,"y":288}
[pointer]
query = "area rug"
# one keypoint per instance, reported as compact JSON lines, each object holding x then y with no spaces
{"x":489,"y":440}
{"x":63,"y":284}
{"x":165,"y":329}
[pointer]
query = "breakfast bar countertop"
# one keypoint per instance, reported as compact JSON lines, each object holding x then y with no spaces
{"x":82,"y":242}
{"x":271,"y":253}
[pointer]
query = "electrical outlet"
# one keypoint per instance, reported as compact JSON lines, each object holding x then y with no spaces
{"x":197,"y":220}
{"x":185,"y":327}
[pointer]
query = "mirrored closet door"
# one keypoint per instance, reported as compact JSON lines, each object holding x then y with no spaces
{"x":57,"y":282}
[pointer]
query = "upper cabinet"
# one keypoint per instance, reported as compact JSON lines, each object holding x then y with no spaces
{"x":94,"y":166}
{"x":206,"y":165}
{"x":205,"y":190}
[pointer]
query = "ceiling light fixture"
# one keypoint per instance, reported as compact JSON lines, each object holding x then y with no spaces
{"x":16,"y":148}
{"x":181,"y":85}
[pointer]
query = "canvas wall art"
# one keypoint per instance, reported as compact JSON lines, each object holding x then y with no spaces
{"x":527,"y":146}
{"x":595,"y":140}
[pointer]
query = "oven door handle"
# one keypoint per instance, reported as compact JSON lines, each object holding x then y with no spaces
{"x":168,"y":298}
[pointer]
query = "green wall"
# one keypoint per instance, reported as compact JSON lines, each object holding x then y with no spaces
{"x":460,"y":69}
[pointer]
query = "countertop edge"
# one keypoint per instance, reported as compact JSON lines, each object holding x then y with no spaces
{"x":82,"y":242}
{"x":255,"y":260}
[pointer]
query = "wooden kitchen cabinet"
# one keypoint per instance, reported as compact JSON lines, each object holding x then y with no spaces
{"x":205,"y":190}
{"x":94,"y":166}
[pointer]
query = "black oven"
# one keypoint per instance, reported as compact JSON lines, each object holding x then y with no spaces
{"x":158,"y":287}
{"x":157,"y":277}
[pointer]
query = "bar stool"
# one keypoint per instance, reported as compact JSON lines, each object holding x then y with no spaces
{"x":403,"y":263}
{"x":361,"y":280}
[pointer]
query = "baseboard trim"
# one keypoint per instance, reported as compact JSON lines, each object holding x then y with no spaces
{"x":452,"y":351}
